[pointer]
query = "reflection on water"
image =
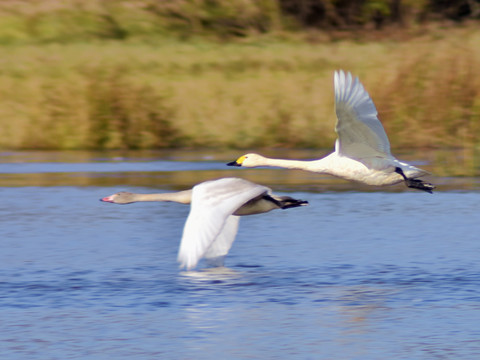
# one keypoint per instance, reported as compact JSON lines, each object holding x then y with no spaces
{"x":390,"y":274}
{"x":451,"y":170}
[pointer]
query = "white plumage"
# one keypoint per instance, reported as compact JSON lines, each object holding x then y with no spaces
{"x":211,"y":227}
{"x":362,"y":150}
{"x":215,"y":208}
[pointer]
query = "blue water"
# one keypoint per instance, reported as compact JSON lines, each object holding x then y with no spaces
{"x":355,"y":275}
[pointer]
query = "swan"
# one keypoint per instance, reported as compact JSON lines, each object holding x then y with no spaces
{"x":362,"y":150}
{"x":212,"y":223}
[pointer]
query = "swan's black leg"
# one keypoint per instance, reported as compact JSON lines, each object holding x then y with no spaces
{"x":285,"y":202}
{"x":400,"y":171}
{"x":415,"y":183}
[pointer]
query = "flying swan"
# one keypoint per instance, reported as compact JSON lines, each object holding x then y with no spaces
{"x":212,"y":223}
{"x":362,"y":150}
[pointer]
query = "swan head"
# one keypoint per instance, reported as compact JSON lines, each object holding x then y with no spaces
{"x":122,"y":197}
{"x":248,"y":160}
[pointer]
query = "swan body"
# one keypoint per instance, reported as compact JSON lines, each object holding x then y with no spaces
{"x":362,"y":149}
{"x":215,"y":208}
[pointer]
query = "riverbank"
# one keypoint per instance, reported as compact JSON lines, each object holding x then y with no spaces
{"x":256,"y":93}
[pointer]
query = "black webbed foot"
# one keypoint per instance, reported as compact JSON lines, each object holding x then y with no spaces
{"x":285,"y":202}
{"x":415,"y":183}
{"x":420,"y":185}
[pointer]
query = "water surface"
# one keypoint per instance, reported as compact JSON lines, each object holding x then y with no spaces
{"x":360,"y":273}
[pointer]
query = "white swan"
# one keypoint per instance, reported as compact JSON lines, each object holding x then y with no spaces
{"x":215,"y":208}
{"x":362,"y":150}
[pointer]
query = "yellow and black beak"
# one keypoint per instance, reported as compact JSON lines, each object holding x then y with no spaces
{"x":237,"y":162}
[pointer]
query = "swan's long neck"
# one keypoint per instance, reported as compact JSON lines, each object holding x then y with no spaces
{"x":183,"y":197}
{"x":309,"y":165}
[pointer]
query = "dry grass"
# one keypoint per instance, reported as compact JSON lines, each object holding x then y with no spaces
{"x":433,"y":96}
{"x":263,"y":93}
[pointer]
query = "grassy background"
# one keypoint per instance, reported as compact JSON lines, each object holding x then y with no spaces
{"x":97,"y":75}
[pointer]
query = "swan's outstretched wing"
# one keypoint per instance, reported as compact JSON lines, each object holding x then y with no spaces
{"x":213,"y":202}
{"x":220,"y":247}
{"x":360,"y":133}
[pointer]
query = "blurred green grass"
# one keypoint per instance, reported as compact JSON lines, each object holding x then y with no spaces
{"x":135,"y":95}
{"x":108,"y":75}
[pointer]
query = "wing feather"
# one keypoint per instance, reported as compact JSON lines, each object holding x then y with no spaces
{"x":210,"y":222}
{"x":220,"y":247}
{"x":360,"y":133}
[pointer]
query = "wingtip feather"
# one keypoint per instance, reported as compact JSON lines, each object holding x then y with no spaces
{"x":186,"y":262}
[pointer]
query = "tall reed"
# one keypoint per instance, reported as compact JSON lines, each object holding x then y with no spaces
{"x":112,"y":95}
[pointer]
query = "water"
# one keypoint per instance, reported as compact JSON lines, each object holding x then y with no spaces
{"x":385,"y":274}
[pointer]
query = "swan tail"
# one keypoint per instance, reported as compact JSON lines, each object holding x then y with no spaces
{"x":416,"y":183}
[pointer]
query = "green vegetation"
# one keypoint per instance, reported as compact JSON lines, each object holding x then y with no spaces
{"x":41,"y":21}
{"x":116,"y":75}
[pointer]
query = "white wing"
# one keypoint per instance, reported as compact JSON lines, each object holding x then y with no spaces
{"x":220,"y":247}
{"x":213,"y":202}
{"x":360,"y":133}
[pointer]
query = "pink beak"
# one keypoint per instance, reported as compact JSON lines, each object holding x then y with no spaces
{"x":107,"y":199}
